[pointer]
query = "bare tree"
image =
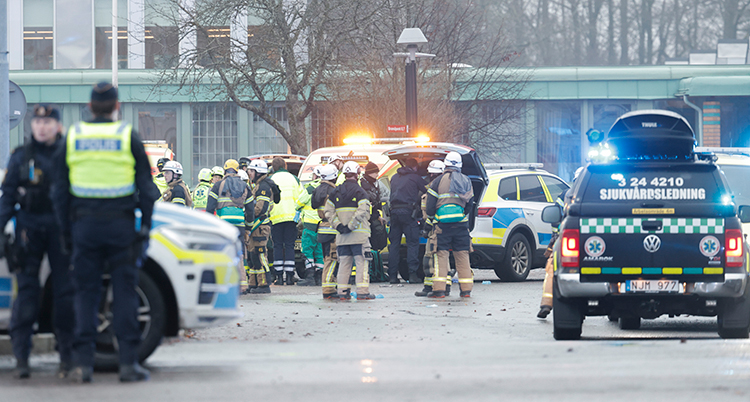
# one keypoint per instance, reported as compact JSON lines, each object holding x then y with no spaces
{"x":283,"y":58}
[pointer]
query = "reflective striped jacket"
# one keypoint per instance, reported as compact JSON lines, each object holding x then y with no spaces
{"x":349,"y":206}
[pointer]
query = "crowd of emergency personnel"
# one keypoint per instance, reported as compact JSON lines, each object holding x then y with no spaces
{"x":86,"y":200}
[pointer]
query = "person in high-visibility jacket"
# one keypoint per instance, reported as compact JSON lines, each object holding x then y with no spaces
{"x":200,"y":194}
{"x":161,"y":184}
{"x":217,"y":173}
{"x":265,"y":191}
{"x":450,"y":202}
{"x":103,"y":185}
{"x":311,"y":249}
{"x":178,"y":192}
{"x":429,"y":262}
{"x":283,"y":225}
{"x":231,"y":199}
{"x":326,"y":233}
{"x":348,"y":210}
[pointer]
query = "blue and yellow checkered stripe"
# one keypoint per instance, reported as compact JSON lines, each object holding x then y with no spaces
{"x":652,"y":271}
{"x":669,"y":225}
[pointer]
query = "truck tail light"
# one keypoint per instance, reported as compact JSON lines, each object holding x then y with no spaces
{"x":733,"y":247}
{"x":570,"y":247}
{"x":486,"y":211}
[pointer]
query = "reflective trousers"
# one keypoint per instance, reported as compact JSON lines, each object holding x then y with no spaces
{"x":312,"y":250}
{"x":100,"y":244}
{"x":455,"y":237}
{"x":284,"y":236}
{"x":549,"y":273}
{"x":36,"y":243}
{"x":349,"y":256}
{"x":330,"y":265}
{"x":430,"y":258}
{"x":258,"y":272}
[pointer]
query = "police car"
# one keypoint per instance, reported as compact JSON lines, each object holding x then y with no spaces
{"x":191,"y":279}
{"x":653,"y":232}
{"x":509,"y":235}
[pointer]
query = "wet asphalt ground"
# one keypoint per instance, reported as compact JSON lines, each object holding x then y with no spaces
{"x":292,"y":345}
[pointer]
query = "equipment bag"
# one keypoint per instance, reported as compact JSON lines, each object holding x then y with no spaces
{"x":450,"y":213}
{"x":377,"y":272}
{"x":378,"y":236}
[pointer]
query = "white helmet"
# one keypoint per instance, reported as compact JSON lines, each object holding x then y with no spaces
{"x":453,"y":159}
{"x":334,"y":158}
{"x":258,"y":165}
{"x":350,"y":167}
{"x":173,"y":166}
{"x":436,"y":166}
{"x":243,"y":175}
{"x":316,"y":170}
{"x":328,"y":172}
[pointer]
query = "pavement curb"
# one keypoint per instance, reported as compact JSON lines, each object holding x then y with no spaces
{"x":43,"y":343}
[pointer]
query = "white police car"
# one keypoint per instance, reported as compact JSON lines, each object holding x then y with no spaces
{"x":190,"y":280}
{"x":509,"y":235}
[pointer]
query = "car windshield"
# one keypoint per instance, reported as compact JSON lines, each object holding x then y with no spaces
{"x":737,"y":177}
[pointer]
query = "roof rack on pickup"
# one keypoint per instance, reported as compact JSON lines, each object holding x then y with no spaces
{"x":529,"y":166}
{"x":725,"y":150}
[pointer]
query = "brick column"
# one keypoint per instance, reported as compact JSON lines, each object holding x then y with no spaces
{"x":711,"y":124}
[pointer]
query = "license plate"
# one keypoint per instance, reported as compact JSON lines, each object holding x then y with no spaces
{"x":652,"y":286}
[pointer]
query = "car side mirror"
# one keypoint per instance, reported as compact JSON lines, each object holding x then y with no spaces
{"x":744,"y":213}
{"x":553,"y":214}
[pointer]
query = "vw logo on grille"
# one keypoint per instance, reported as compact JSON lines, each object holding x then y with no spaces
{"x":652,"y":243}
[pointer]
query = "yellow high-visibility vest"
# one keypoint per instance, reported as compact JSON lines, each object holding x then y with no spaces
{"x":100,"y":160}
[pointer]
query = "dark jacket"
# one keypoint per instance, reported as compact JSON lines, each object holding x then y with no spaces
{"x":373,"y":194}
{"x":66,"y":204}
{"x":407,"y":187}
{"x":233,"y":187}
{"x":32,"y":194}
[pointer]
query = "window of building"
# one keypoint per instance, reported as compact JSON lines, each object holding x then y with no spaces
{"x":559,"y":137}
{"x":162,"y":47}
{"x":103,"y":38}
{"x":530,"y":189}
{"x":37,"y":35}
{"x":323,"y":133}
{"x":214,"y":135}
{"x":212,"y":46}
{"x":507,"y":189}
{"x":267,"y":138}
{"x":158,"y":123}
{"x":162,"y":37}
{"x":103,"y":34}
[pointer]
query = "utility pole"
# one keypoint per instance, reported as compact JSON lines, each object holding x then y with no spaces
{"x":4,"y":87}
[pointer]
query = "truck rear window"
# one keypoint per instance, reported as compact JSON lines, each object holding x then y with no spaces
{"x":689,"y":182}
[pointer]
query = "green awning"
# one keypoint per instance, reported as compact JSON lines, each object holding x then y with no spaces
{"x":734,"y":85}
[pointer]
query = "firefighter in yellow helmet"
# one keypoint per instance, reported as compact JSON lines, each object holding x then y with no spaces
{"x":217,"y":173}
{"x":200,"y":194}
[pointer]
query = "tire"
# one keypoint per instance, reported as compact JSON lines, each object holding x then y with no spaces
{"x":567,"y":316}
{"x":612,"y":316}
{"x":733,"y":318}
{"x":516,"y":264}
{"x":630,"y":322}
{"x":152,"y":316}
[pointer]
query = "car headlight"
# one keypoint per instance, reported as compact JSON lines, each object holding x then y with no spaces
{"x":196,"y":239}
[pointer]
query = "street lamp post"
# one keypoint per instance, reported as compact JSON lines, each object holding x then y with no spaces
{"x":412,"y":37}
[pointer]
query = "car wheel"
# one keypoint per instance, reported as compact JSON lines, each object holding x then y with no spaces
{"x":630,"y":322}
{"x":567,"y":316}
{"x":152,"y":318}
{"x":517,"y":262}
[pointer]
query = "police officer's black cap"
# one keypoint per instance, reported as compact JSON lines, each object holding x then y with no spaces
{"x":103,"y":91}
{"x":44,"y":110}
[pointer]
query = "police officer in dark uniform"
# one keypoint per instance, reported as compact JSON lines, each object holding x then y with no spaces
{"x":407,"y":187}
{"x":103,"y":178}
{"x":27,"y":184}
